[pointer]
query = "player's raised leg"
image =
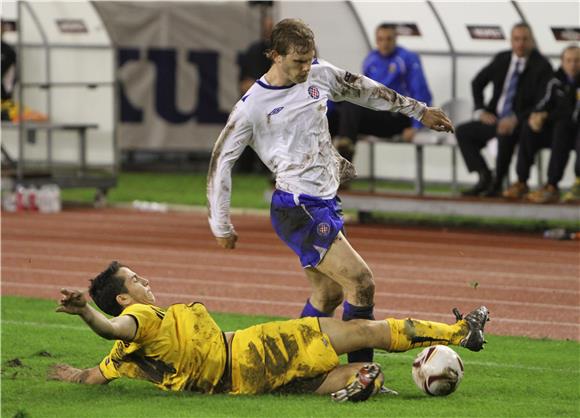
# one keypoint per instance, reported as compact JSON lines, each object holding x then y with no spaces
{"x":404,"y":334}
{"x":347,"y":268}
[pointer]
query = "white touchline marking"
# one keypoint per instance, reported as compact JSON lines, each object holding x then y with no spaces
{"x":484,"y":363}
{"x":45,"y":325}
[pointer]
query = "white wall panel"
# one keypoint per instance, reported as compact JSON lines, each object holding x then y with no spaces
{"x":437,"y":70}
{"x":542,"y":16}
{"x":456,"y":16}
{"x":467,"y":68}
{"x":374,"y":13}
{"x":76,"y":62}
{"x":50,"y":12}
{"x":338,"y":36}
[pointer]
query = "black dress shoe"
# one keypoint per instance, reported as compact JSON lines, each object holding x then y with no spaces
{"x":494,"y":190}
{"x":481,"y":186}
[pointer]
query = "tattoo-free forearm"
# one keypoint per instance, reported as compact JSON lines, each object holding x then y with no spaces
{"x":100,"y":324}
{"x":66,"y":373}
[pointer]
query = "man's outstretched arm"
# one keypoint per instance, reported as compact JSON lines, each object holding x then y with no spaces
{"x":74,"y":302}
{"x":227,"y":149}
{"x":66,"y":373}
{"x":365,"y":92}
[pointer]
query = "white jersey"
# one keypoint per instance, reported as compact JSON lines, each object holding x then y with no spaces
{"x":288,"y":129}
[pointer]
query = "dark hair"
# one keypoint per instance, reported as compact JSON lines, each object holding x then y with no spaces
{"x":290,"y":35}
{"x":106,"y":286}
{"x":385,"y":25}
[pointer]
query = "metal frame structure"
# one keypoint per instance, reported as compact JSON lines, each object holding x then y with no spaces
{"x":27,"y":130}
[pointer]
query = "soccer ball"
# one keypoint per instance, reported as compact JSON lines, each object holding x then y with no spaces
{"x":437,"y":370}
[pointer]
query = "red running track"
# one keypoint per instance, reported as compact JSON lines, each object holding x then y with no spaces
{"x":530,"y":285}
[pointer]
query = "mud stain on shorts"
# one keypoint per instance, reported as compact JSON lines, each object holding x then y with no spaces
{"x":303,"y":385}
{"x":279,"y":358}
{"x":253,"y":370}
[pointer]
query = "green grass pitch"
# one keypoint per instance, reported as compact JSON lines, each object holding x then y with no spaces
{"x":512,"y":377}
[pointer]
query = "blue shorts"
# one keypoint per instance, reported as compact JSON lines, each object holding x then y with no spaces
{"x":306,"y":224}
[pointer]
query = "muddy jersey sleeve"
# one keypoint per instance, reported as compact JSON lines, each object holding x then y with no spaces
{"x":229,"y":146}
{"x":119,"y":361}
{"x":363,"y":91}
{"x":147,"y":318}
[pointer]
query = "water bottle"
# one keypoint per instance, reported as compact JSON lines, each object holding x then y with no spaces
{"x":55,"y":198}
{"x":44,"y":199}
{"x":9,"y":202}
{"x":559,"y":234}
{"x":145,"y":206}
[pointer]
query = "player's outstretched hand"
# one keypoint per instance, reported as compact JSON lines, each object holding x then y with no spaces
{"x":437,"y":120}
{"x":72,"y":302}
{"x":228,"y":242}
{"x":62,"y":372}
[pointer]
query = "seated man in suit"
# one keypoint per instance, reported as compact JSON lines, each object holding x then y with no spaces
{"x":553,"y":124}
{"x":518,"y":77}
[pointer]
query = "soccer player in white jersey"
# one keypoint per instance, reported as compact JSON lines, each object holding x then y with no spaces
{"x":283,"y":118}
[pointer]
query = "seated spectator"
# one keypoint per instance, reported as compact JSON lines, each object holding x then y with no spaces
{"x":396,"y":68}
{"x":253,"y":62}
{"x":554,"y":124}
{"x":518,"y":77}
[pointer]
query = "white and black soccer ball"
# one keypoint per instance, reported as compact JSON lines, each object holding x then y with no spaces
{"x":437,"y":370}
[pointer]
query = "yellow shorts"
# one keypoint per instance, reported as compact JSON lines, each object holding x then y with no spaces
{"x":291,"y":356}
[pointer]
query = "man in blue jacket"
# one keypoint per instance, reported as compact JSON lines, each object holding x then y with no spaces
{"x":396,"y":68}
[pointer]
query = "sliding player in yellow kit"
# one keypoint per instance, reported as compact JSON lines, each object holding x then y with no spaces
{"x":182,"y":348}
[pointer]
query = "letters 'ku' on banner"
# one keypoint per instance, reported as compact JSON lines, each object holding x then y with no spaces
{"x":178,"y":69}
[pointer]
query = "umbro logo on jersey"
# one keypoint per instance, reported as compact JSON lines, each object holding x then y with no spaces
{"x":275,"y":111}
{"x":313,"y":92}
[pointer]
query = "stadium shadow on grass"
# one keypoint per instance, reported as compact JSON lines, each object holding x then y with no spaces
{"x":513,"y":376}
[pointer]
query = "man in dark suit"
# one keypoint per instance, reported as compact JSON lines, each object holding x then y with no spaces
{"x":518,"y":77}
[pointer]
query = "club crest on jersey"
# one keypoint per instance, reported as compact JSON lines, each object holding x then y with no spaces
{"x":313,"y":92}
{"x":323,"y":229}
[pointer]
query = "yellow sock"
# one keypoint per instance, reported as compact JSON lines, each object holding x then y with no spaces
{"x":411,"y":333}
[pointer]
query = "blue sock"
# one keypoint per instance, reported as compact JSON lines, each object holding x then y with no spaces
{"x":310,"y":310}
{"x":358,"y":312}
